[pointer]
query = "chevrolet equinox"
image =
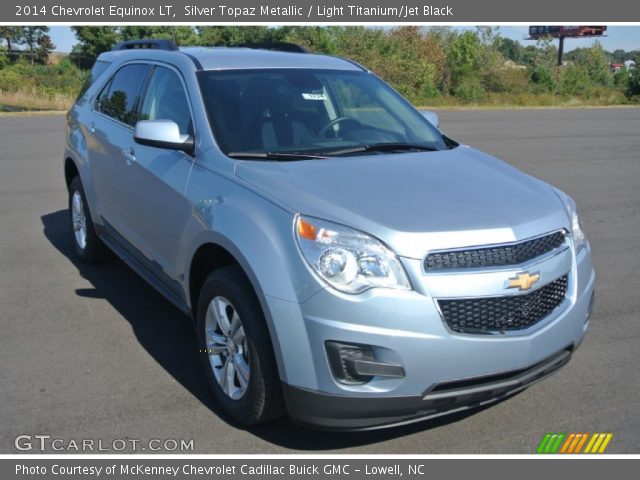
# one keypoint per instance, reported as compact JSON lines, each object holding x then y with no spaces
{"x":343,"y":260}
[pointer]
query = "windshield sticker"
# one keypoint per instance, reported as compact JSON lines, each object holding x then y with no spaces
{"x":314,"y":96}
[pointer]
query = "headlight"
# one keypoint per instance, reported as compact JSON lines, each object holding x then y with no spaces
{"x":579,"y":238}
{"x":347,"y":259}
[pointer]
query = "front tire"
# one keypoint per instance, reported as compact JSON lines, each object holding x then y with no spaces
{"x":235,"y":349}
{"x":88,"y":246}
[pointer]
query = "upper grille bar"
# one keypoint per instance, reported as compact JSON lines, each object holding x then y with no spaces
{"x":499,"y":255}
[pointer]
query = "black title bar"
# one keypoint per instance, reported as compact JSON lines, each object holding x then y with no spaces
{"x":313,"y":11}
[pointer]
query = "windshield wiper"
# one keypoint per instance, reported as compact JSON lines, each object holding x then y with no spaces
{"x":275,"y":155}
{"x":382,"y":147}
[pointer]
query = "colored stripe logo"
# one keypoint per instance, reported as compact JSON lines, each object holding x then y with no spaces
{"x":574,"y":443}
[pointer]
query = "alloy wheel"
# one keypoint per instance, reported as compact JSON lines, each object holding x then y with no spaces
{"x":227,"y":347}
{"x":79,"y":220}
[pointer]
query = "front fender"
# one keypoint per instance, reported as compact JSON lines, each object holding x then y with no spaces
{"x":260,"y":237}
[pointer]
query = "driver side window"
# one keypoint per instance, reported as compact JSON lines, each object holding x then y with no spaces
{"x":166,"y":100}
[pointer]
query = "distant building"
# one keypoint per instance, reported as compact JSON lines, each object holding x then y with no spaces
{"x":511,"y":65}
{"x":628,"y":65}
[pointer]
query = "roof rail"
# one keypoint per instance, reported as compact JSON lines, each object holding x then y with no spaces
{"x":152,"y":43}
{"x":278,"y":46}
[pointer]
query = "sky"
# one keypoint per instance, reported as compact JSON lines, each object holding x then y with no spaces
{"x":618,"y":37}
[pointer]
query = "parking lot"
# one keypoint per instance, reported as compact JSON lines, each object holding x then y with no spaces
{"x":93,"y":352}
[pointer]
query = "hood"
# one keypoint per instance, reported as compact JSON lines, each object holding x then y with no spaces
{"x":416,"y":202}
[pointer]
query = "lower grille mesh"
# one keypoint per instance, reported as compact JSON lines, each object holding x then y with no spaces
{"x":512,"y":312}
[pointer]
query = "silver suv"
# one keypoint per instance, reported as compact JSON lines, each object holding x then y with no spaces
{"x":343,"y":260}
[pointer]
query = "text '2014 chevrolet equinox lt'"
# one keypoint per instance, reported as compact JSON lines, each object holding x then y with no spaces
{"x":343,"y":260}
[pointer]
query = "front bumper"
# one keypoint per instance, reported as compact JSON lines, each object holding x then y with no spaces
{"x":342,"y":412}
{"x":445,"y":371}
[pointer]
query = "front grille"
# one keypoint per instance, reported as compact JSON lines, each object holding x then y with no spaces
{"x":512,"y":312}
{"x":502,"y":255}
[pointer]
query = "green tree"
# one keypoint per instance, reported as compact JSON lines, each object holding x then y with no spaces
{"x":12,"y":36}
{"x":529,"y":55}
{"x":621,"y":79}
{"x":574,"y":80}
{"x":465,"y":51}
{"x":542,"y":79}
{"x":577,"y":55}
{"x":181,"y":35}
{"x":412,"y":65}
{"x":545,"y":53}
{"x":465,"y":63}
{"x":316,"y":39}
{"x":4,"y":58}
{"x":43,"y":50}
{"x":633,"y":86}
{"x":434,"y":46}
{"x":597,"y":65}
{"x":619,"y":56}
{"x":233,"y":35}
{"x":32,"y":36}
{"x":511,"y":49}
{"x":93,"y":41}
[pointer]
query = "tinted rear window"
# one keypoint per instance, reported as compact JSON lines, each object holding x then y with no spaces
{"x":120,"y":97}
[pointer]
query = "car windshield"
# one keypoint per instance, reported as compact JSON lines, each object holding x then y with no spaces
{"x":294,"y":113}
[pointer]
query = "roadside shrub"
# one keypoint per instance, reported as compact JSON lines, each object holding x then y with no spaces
{"x":469,"y":90}
{"x":542,"y":79}
{"x":574,"y":81}
{"x":4,"y":59}
{"x":633,"y":86}
{"x":40,"y":86}
{"x":621,"y":78}
{"x":10,"y":79}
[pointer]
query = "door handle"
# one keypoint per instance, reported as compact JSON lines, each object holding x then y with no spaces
{"x":129,"y":155}
{"x":91,"y":129}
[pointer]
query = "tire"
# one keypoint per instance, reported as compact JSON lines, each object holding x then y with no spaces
{"x":88,"y":246}
{"x":247,"y":398}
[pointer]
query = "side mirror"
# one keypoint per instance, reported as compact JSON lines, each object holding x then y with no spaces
{"x":162,"y":134}
{"x":432,"y":118}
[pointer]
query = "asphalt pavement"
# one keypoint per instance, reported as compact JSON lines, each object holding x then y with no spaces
{"x":95,"y":353}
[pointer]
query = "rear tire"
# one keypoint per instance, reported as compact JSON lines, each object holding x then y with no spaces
{"x":88,"y":246}
{"x":236,"y":350}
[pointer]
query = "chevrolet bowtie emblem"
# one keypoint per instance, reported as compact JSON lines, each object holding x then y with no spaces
{"x":524,"y":280}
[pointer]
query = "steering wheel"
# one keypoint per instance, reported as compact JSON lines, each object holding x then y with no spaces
{"x":323,"y":131}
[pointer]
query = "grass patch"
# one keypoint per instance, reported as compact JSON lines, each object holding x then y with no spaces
{"x":33,"y":100}
{"x":526,"y":100}
{"x":32,"y":113}
{"x":39,"y":87}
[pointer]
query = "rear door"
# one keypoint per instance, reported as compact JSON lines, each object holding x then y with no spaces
{"x":116,"y":112}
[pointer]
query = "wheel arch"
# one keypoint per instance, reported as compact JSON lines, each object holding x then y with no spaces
{"x":71,"y":171}
{"x":215,"y":253}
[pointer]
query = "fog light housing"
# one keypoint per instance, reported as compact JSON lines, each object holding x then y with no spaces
{"x":354,"y":364}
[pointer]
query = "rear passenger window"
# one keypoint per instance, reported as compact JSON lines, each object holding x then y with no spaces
{"x":120,"y":98}
{"x":167,"y":100}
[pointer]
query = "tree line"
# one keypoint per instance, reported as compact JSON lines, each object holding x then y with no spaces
{"x":429,"y":65}
{"x":424,"y":64}
{"x":35,"y":39}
